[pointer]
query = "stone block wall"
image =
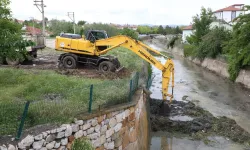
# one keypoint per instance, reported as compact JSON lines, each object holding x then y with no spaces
{"x":124,"y":127}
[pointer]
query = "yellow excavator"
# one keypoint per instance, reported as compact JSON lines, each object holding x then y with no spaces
{"x":96,"y":43}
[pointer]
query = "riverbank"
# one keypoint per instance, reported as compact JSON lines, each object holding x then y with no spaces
{"x":217,"y":66}
{"x":212,"y":93}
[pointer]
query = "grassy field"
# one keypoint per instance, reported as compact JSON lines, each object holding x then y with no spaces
{"x":57,"y":98}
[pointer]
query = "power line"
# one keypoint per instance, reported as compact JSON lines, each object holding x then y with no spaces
{"x":40,"y":6}
{"x":71,"y":16}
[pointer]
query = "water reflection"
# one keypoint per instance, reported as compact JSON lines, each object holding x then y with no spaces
{"x":166,"y":142}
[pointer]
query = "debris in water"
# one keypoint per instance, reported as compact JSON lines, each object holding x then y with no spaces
{"x":186,"y":118}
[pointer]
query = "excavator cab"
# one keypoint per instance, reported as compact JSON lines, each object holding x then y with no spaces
{"x":93,"y":35}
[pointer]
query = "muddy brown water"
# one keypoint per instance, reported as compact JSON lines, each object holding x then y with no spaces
{"x":213,"y":93}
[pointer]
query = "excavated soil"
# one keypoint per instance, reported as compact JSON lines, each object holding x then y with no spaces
{"x":49,"y":62}
{"x":187,"y":118}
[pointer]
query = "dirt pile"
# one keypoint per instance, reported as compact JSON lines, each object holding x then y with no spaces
{"x":195,"y":121}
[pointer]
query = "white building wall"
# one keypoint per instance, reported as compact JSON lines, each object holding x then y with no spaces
{"x":219,"y":24}
{"x":218,"y":15}
{"x":239,"y":12}
{"x":227,"y":16}
{"x":186,"y":33}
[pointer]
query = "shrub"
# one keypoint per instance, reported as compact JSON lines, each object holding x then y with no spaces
{"x":239,"y":45}
{"x":188,"y":50}
{"x":212,"y":43}
{"x":82,"y":144}
{"x":172,"y":42}
{"x":129,"y":32}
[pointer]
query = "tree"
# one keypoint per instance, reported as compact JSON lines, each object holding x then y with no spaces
{"x":129,"y":32}
{"x":111,"y":30}
{"x":4,"y":9}
{"x":59,"y":26}
{"x":177,"y":30}
{"x":160,"y":30}
{"x":12,"y":45}
{"x":239,"y":47}
{"x":81,"y":22}
{"x":201,"y":24}
{"x":143,"y":29}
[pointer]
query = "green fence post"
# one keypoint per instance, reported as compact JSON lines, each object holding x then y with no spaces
{"x":22,"y":121}
{"x":90,"y":98}
{"x":137,"y":79}
{"x":130,"y":90}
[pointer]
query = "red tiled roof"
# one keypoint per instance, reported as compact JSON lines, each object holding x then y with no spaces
{"x":33,"y":31}
{"x":190,"y":27}
{"x":229,"y":8}
{"x":237,"y":4}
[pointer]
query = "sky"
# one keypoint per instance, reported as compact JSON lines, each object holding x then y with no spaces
{"x":156,"y":12}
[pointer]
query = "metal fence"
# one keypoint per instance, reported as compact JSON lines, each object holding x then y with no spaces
{"x":23,"y":115}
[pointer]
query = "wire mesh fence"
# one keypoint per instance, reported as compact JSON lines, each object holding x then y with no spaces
{"x":53,"y":109}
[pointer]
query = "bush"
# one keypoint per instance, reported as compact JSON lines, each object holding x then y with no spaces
{"x":212,"y":43}
{"x":188,"y":50}
{"x":82,"y":144}
{"x":239,"y":45}
{"x":129,"y":32}
{"x":171,"y":43}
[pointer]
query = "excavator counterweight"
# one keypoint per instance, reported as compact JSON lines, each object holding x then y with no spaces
{"x":92,"y":48}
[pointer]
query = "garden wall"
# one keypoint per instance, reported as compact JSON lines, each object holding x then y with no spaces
{"x":122,"y":127}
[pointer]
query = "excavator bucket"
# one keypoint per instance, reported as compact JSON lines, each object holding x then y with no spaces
{"x":164,"y":108}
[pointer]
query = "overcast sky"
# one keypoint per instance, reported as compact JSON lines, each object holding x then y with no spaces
{"x":158,"y":12}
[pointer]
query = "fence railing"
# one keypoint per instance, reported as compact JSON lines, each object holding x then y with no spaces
{"x":31,"y":113}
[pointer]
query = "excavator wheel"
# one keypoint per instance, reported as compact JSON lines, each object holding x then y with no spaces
{"x":106,"y":66}
{"x":69,"y":62}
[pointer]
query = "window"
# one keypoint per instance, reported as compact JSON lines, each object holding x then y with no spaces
{"x":233,"y":15}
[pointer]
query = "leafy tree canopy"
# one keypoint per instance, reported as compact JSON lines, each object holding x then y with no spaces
{"x":201,"y":24}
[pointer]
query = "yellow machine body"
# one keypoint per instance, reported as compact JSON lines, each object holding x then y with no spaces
{"x":100,"y":47}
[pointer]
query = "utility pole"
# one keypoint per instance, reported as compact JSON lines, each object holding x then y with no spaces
{"x":71,"y":16}
{"x":40,"y":5}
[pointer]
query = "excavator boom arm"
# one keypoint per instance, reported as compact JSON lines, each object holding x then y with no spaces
{"x":140,"y":49}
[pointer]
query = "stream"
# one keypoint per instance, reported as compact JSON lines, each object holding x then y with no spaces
{"x":219,"y":96}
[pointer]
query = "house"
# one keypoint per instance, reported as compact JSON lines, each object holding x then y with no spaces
{"x":32,"y":31}
{"x":187,"y":31}
{"x":229,"y":13}
{"x":133,"y":27}
{"x":223,"y":18}
{"x":20,"y":21}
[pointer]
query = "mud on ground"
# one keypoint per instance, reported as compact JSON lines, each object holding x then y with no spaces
{"x":195,"y":122}
{"x":47,"y":59}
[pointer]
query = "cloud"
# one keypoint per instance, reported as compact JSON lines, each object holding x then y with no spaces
{"x":122,"y":12}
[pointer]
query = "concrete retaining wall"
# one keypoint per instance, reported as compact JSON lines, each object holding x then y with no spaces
{"x":122,"y":127}
{"x":221,"y":68}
